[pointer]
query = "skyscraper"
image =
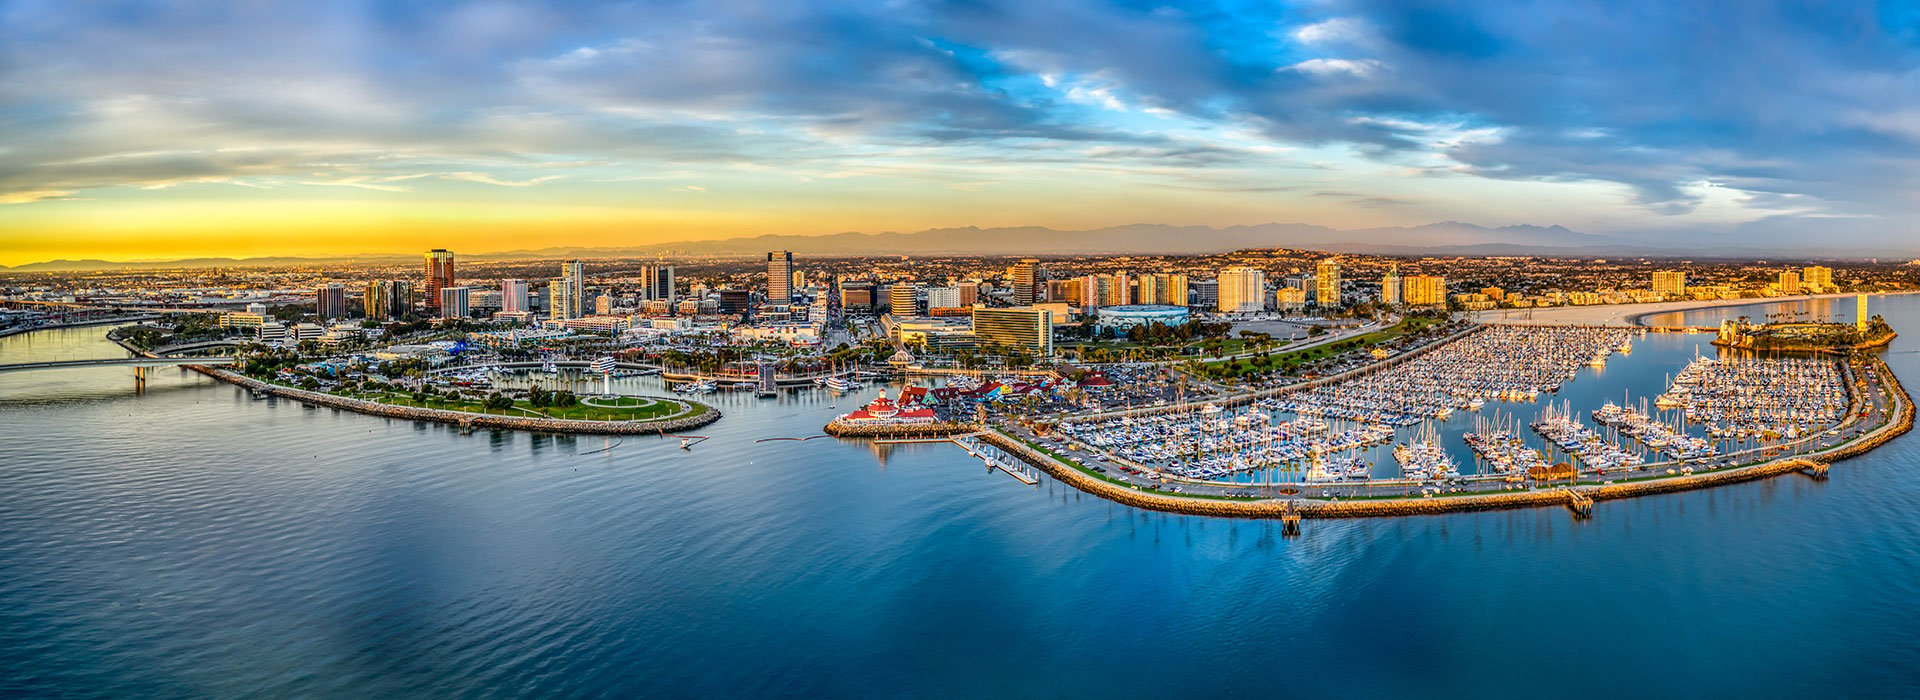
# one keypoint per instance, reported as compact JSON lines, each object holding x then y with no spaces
{"x":569,"y":295}
{"x":1026,"y":280}
{"x":1671,"y":283}
{"x":903,"y":299}
{"x":1242,"y":289}
{"x":513,"y":296}
{"x":330,"y":301}
{"x":388,"y":299}
{"x":1390,"y":287}
{"x":1328,"y":274}
{"x":658,"y":281}
{"x":780,"y":277}
{"x":439,"y":275}
{"x":453,"y":302}
{"x":1789,"y":282}
{"x":1119,"y":290}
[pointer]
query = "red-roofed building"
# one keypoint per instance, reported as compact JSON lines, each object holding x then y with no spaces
{"x":884,"y":411}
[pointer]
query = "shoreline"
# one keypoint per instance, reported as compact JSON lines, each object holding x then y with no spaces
{"x":469,"y":420}
{"x":1635,"y":314}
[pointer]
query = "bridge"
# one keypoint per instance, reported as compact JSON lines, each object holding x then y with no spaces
{"x":138,"y":363}
{"x":197,"y":345}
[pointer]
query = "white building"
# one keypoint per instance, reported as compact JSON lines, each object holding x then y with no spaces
{"x":1242,"y":289}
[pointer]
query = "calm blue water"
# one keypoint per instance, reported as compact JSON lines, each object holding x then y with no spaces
{"x":192,"y":542}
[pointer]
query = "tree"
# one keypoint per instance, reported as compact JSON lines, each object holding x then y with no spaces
{"x":539,"y":397}
{"x":498,"y":402}
{"x":565,"y":399}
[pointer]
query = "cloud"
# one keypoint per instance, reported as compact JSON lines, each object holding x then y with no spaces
{"x":26,"y":196}
{"x":486,"y":179}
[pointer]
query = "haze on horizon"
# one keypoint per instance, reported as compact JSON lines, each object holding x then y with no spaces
{"x":147,"y":130}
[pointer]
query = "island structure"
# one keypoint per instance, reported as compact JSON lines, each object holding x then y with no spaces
{"x":1721,"y":420}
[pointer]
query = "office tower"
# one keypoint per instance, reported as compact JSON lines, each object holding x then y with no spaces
{"x":856,"y":295}
{"x":734,"y":301}
{"x":1019,"y":327}
{"x":330,"y":301}
{"x":1671,"y":283}
{"x":1026,"y":280}
{"x":1242,"y":289}
{"x":1328,"y":274}
{"x":1206,"y":293}
{"x":943,"y":298}
{"x":1817,"y":278}
{"x":1789,"y":282}
{"x":969,"y":293}
{"x":1426,"y":290}
{"x":903,"y":299}
{"x":568,"y":297}
{"x":389,"y":299}
{"x":1390,"y":287}
{"x":454,"y":302}
{"x":513,"y":296}
{"x":439,"y":275}
{"x":658,"y":282}
{"x":780,"y":277}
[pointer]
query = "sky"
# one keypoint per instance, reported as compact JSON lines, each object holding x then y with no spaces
{"x":152,"y":130}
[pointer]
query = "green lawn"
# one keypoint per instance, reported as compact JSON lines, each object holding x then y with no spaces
{"x":1365,"y":341}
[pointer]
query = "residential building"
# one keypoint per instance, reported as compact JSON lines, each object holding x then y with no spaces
{"x":455,"y":302}
{"x":568,"y":297}
{"x":513,"y":296}
{"x":1328,"y":291}
{"x":1671,"y":283}
{"x":1242,"y":289}
{"x":1390,"y":287}
{"x":1426,"y":290}
{"x":1026,"y":280}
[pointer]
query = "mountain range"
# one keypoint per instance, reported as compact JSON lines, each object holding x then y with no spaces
{"x":1443,"y":238}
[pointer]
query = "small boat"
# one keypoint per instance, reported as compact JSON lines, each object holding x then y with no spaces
{"x":686,"y":444}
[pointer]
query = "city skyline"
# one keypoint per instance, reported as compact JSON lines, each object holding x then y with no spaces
{"x":355,"y":129}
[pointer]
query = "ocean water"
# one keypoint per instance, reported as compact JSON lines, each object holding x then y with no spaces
{"x":189,"y":541}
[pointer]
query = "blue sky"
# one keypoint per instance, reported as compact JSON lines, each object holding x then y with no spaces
{"x":202,"y":127}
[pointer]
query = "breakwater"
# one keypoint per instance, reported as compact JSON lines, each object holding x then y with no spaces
{"x":472,"y":420}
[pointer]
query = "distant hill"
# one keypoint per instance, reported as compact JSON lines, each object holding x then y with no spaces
{"x":1443,"y":238}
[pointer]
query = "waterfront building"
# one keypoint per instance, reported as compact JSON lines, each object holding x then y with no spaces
{"x":1242,"y":289}
{"x":1026,"y":280}
{"x":1860,"y":317}
{"x":1670,"y":283}
{"x":1023,"y":327}
{"x":1390,"y":288}
{"x":1817,"y":278}
{"x":903,"y":299}
{"x":884,"y":411}
{"x":456,"y":302}
{"x":1789,"y":282}
{"x":439,"y":276}
{"x":1327,"y":273}
{"x":513,"y":296}
{"x":656,"y":282}
{"x":1126,"y":317}
{"x":779,"y":277}
{"x":1426,"y":290}
{"x":330,"y":301}
{"x":569,"y":293}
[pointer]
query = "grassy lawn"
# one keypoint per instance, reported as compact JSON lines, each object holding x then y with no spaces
{"x":1364,"y":341}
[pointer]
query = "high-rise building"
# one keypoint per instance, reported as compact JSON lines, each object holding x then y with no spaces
{"x":1290,"y":299}
{"x":1018,"y":327}
{"x":1670,"y":283}
{"x":1026,"y":281}
{"x":1426,"y":290}
{"x":439,"y":275}
{"x":1860,"y":317}
{"x":1119,"y":290}
{"x":388,"y":299}
{"x":1390,"y":287}
{"x":1328,"y":275}
{"x":943,"y":298}
{"x":1163,"y":289}
{"x":780,"y":277}
{"x":1817,"y":278}
{"x":454,"y":302}
{"x":1206,"y":293}
{"x":568,"y":298}
{"x":330,"y":301}
{"x":603,"y":304}
{"x":1094,"y":290}
{"x":1242,"y":289}
{"x":856,"y":295}
{"x":657,"y":283}
{"x":969,"y":293}
{"x":1789,"y":282}
{"x":903,"y":298}
{"x":513,"y":296}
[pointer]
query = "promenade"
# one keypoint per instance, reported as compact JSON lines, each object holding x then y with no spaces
{"x":1623,"y":314}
